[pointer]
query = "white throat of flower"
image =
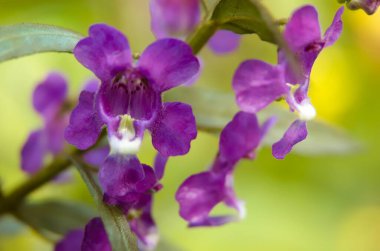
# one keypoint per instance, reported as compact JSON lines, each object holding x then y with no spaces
{"x":306,"y":110}
{"x":127,"y":143}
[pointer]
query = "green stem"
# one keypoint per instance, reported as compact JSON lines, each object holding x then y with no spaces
{"x":201,"y":35}
{"x":13,"y":200}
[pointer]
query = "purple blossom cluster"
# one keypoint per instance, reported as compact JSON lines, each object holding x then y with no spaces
{"x":129,"y":102}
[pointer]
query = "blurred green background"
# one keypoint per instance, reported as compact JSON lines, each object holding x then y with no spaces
{"x":303,"y":203}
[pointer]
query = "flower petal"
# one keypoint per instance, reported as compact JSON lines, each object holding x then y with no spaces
{"x":119,"y":99}
{"x":199,"y":194}
{"x":85,"y":123}
{"x":71,"y":242}
{"x":296,"y":133}
{"x":174,"y":18}
{"x":96,"y":156}
{"x":105,"y":51}
{"x":145,"y":228}
{"x":224,"y":41}
{"x":49,"y":95}
{"x":257,"y":84}
{"x":168,"y":63}
{"x":95,"y":237}
{"x":33,"y":152}
{"x":119,"y":173}
{"x":333,"y":32}
{"x":241,"y":136}
{"x":303,"y":28}
{"x":174,"y":129}
{"x":159,"y":165}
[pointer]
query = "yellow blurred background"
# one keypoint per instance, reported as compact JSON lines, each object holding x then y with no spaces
{"x":303,"y":203}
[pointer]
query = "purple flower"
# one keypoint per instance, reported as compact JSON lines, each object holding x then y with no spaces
{"x":369,"y":6}
{"x":257,"y":84}
{"x":129,"y":102}
{"x":200,"y":193}
{"x":133,"y":91}
{"x":49,"y":99}
{"x":178,"y":18}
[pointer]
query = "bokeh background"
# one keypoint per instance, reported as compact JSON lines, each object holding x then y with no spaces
{"x":303,"y":203}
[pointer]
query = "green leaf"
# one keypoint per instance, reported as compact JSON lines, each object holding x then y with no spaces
{"x":251,"y":16}
{"x":213,"y":110}
{"x":243,"y":17}
{"x":115,"y":222}
{"x":10,"y":226}
{"x":55,"y":216}
{"x":26,"y":39}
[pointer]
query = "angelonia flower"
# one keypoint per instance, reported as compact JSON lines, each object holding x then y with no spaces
{"x":258,"y":84}
{"x":369,"y":6}
{"x":200,"y":193}
{"x":50,"y":101}
{"x":128,"y":102}
{"x":178,"y":18}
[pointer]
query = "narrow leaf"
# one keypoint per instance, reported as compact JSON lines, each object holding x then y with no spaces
{"x":213,"y":110}
{"x":55,"y":216}
{"x":115,"y":222}
{"x":26,"y":39}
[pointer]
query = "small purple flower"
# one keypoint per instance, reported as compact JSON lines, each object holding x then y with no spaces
{"x":257,"y":84}
{"x":200,"y":193}
{"x":174,"y":18}
{"x":369,"y":6}
{"x":49,"y":99}
{"x":178,"y":18}
{"x":224,"y":41}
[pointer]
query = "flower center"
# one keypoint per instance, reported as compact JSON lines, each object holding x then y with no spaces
{"x":129,"y":93}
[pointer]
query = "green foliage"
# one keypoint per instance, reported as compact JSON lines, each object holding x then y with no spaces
{"x":52,"y":217}
{"x":25,"y":39}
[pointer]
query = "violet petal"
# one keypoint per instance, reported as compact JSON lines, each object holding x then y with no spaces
{"x":118,"y":173}
{"x":174,"y":129}
{"x":85,"y":123}
{"x":95,"y":237}
{"x":199,"y":194}
{"x":174,"y":18}
{"x":335,"y":30}
{"x":303,"y":27}
{"x":105,"y":51}
{"x":168,"y":63}
{"x":296,"y":133}
{"x":257,"y":84}
{"x":72,"y":241}
{"x":224,"y":41}
{"x":33,"y":152}
{"x":241,"y":136}
{"x":50,"y":94}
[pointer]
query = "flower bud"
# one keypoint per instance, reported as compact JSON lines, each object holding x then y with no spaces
{"x":369,"y":6}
